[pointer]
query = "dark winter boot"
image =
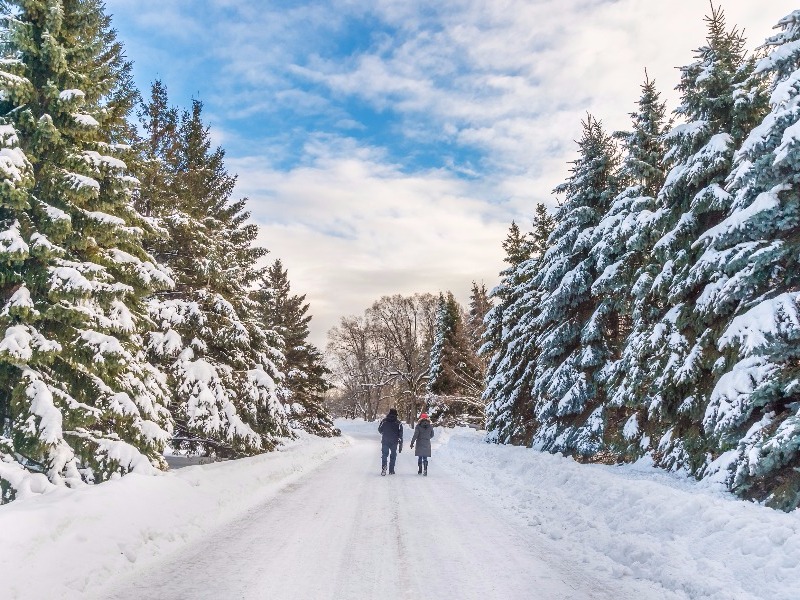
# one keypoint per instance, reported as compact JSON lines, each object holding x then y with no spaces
{"x":419,"y":472}
{"x":383,"y":471}
{"x":391,"y":472}
{"x":425,"y":473}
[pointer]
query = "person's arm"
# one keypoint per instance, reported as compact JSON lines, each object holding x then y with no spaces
{"x":415,"y":436}
{"x":380,"y":427}
{"x":431,"y":430}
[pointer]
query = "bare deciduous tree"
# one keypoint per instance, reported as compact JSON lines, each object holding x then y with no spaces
{"x":381,"y":360}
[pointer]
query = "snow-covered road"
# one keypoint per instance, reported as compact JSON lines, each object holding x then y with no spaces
{"x":315,"y":520}
{"x":344,"y":532}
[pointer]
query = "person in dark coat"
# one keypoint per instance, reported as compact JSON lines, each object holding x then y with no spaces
{"x":423,"y":433}
{"x":391,"y":430}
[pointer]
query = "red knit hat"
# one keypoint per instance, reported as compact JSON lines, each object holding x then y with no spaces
{"x":423,"y":416}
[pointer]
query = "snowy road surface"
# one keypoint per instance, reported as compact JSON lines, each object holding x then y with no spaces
{"x":344,"y":532}
{"x":315,"y":520}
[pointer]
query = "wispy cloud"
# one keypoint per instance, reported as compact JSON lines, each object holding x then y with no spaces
{"x":386,"y":144}
{"x":351,"y":227}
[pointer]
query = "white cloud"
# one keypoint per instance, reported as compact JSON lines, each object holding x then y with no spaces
{"x":352,"y":228}
{"x":497,"y":73}
{"x":509,"y":80}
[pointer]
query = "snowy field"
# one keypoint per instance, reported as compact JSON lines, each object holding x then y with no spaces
{"x":316,"y":520}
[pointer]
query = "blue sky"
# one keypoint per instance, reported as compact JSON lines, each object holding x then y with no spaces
{"x":386,"y":145}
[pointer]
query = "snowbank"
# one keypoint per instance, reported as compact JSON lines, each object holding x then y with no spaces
{"x":692,"y":539}
{"x":68,"y":543}
{"x":685,"y":539}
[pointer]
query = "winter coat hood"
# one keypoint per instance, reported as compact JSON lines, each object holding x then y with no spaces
{"x":391,"y":429}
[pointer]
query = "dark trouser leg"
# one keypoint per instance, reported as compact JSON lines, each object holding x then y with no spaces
{"x":384,"y":454}
{"x":419,"y":464}
{"x":392,"y":456}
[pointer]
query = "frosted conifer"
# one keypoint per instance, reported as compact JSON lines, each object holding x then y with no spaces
{"x":210,"y":338}
{"x":751,"y":269}
{"x":623,"y":242}
{"x":676,"y":346}
{"x":78,"y":399}
{"x":499,"y":321}
{"x":305,"y":382}
{"x":455,"y":379}
{"x":479,"y":307}
{"x":511,"y":371}
{"x":573,"y":326}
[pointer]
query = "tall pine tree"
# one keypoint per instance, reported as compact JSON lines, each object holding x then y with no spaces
{"x":623,"y":243}
{"x":78,"y":400}
{"x":305,"y":383}
{"x":511,"y":372}
{"x":456,"y":378}
{"x":676,"y":351}
{"x":211,"y":338}
{"x":479,"y":306}
{"x":751,"y":269}
{"x":573,"y":324}
{"x":518,"y":248}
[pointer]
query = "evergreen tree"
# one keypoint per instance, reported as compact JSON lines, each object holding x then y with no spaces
{"x":543,"y":226}
{"x":573,"y":325}
{"x":512,"y":245}
{"x":479,"y":306}
{"x":211,"y":338}
{"x":510,"y":374}
{"x":79,"y":401}
{"x":675,"y":350}
{"x":440,"y":375}
{"x":622,"y":245}
{"x":455,"y":379}
{"x":498,"y":320}
{"x":643,"y":166}
{"x":286,"y":314}
{"x":517,"y":245}
{"x":751,"y":269}
{"x":157,"y":154}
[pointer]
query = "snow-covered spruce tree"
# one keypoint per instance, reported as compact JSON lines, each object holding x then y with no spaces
{"x":78,"y":399}
{"x":622,"y":244}
{"x":751,"y":266}
{"x":672,"y":342}
{"x":479,"y":306}
{"x":440,"y":373}
{"x":156,"y":158}
{"x":446,"y":315}
{"x":576,"y":328}
{"x":456,"y":379}
{"x":517,"y":247}
{"x":498,"y":321}
{"x":210,"y":337}
{"x":305,"y":381}
{"x":510,"y":417}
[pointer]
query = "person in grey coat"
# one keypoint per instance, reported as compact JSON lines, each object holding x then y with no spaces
{"x":423,"y":433}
